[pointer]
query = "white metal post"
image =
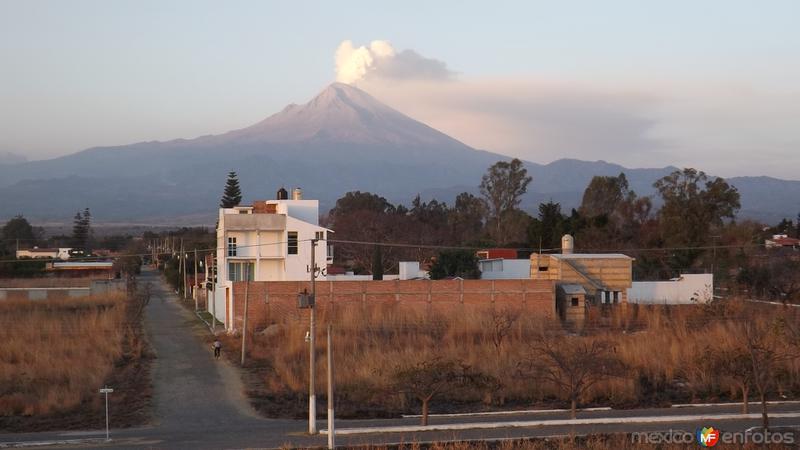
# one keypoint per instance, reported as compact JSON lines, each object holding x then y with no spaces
{"x":106,"y":390}
{"x":331,"y":431}
{"x":312,"y":397}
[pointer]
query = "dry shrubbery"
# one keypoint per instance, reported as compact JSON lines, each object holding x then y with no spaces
{"x":55,"y":354}
{"x":660,"y":355}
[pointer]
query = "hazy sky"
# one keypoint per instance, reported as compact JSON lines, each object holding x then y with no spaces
{"x":711,"y":84}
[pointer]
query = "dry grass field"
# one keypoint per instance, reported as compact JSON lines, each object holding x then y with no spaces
{"x":613,"y":442}
{"x":44,"y":282}
{"x":56,"y":354}
{"x":663,"y":355}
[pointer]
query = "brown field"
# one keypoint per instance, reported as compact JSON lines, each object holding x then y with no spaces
{"x":662,"y":349}
{"x":601,"y":442}
{"x":44,"y":282}
{"x":56,"y":354}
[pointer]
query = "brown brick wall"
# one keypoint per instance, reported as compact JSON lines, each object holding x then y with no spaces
{"x":276,"y":301}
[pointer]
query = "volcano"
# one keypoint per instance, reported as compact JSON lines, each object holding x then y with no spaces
{"x":341,"y":140}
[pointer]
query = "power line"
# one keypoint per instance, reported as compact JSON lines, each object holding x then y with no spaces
{"x":391,"y":244}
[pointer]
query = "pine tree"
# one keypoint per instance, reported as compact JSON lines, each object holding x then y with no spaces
{"x":233,"y":194}
{"x":81,"y":229}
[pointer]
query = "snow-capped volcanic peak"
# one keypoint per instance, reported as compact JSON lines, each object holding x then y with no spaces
{"x":343,"y":113}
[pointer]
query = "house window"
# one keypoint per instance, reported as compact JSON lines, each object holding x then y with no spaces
{"x":616,"y":296}
{"x":241,"y":271}
{"x":574,"y":301}
{"x":320,"y":235}
{"x":231,"y":246}
{"x":543,"y":268}
{"x":291,"y":243}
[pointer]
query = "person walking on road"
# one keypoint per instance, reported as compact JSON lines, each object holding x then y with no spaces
{"x":217,"y":348}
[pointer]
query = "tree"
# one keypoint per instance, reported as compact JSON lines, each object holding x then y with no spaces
{"x":572,"y":364}
{"x":765,"y":345}
{"x":232,"y":195}
{"x":734,"y":364}
{"x":455,"y":263}
{"x":693,"y":204}
{"x":435,"y":377}
{"x":377,"y":263}
{"x":82,"y":229}
{"x":18,"y":228}
{"x":603,"y":195}
{"x":547,"y":229}
{"x":467,"y":218}
{"x":365,"y":217}
{"x":503,"y":186}
{"x":355,"y":201}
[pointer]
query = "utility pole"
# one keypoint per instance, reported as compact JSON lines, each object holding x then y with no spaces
{"x":312,"y":397}
{"x":214,"y":292}
{"x":331,"y":431}
{"x":246,"y":301}
{"x":183,"y":266}
{"x":195,"y":288}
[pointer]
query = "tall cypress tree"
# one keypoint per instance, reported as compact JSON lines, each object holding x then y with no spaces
{"x":233,"y":194}
{"x":81,"y":229}
{"x":377,"y":263}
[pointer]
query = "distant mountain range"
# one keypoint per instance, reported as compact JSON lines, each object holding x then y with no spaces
{"x":341,"y":140}
{"x":11,"y":158}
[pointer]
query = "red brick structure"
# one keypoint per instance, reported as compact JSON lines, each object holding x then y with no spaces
{"x":276,"y":301}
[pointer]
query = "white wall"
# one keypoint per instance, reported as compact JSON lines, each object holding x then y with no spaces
{"x":505,"y":269}
{"x":350,"y":277}
{"x":297,"y":265}
{"x":674,"y":292}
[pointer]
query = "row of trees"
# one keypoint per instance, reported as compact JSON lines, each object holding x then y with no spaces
{"x":611,"y":217}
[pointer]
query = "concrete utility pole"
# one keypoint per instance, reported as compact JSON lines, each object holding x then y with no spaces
{"x":246,"y":301}
{"x":312,"y":397}
{"x":331,"y":431}
{"x":183,"y":264}
{"x":214,"y":293}
{"x":195,"y":288}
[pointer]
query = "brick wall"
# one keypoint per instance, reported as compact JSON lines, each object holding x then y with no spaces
{"x":276,"y":301}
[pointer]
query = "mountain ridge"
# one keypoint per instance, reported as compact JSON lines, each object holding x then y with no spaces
{"x":342,"y":139}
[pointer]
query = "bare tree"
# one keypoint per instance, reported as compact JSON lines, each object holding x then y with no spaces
{"x":572,"y":364}
{"x":434,"y":377}
{"x":734,"y":364}
{"x":769,"y":345}
{"x":500,"y":323}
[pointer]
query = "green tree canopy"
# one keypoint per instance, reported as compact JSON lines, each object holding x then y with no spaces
{"x":361,"y":201}
{"x":19,"y":228}
{"x":232,"y":195}
{"x":467,"y":217}
{"x":693,"y":204}
{"x":455,"y":263}
{"x":603,"y":195}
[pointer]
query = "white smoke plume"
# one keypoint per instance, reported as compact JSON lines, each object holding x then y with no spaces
{"x":380,"y":60}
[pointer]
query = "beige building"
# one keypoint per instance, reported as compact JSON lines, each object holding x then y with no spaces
{"x":605,"y":277}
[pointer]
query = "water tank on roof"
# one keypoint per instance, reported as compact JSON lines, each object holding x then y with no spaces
{"x":283,"y":194}
{"x":297,"y":194}
{"x":567,"y":244}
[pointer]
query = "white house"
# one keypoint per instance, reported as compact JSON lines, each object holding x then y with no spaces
{"x":686,"y":289}
{"x":46,"y":253}
{"x":267,"y":241}
{"x":505,"y":269}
